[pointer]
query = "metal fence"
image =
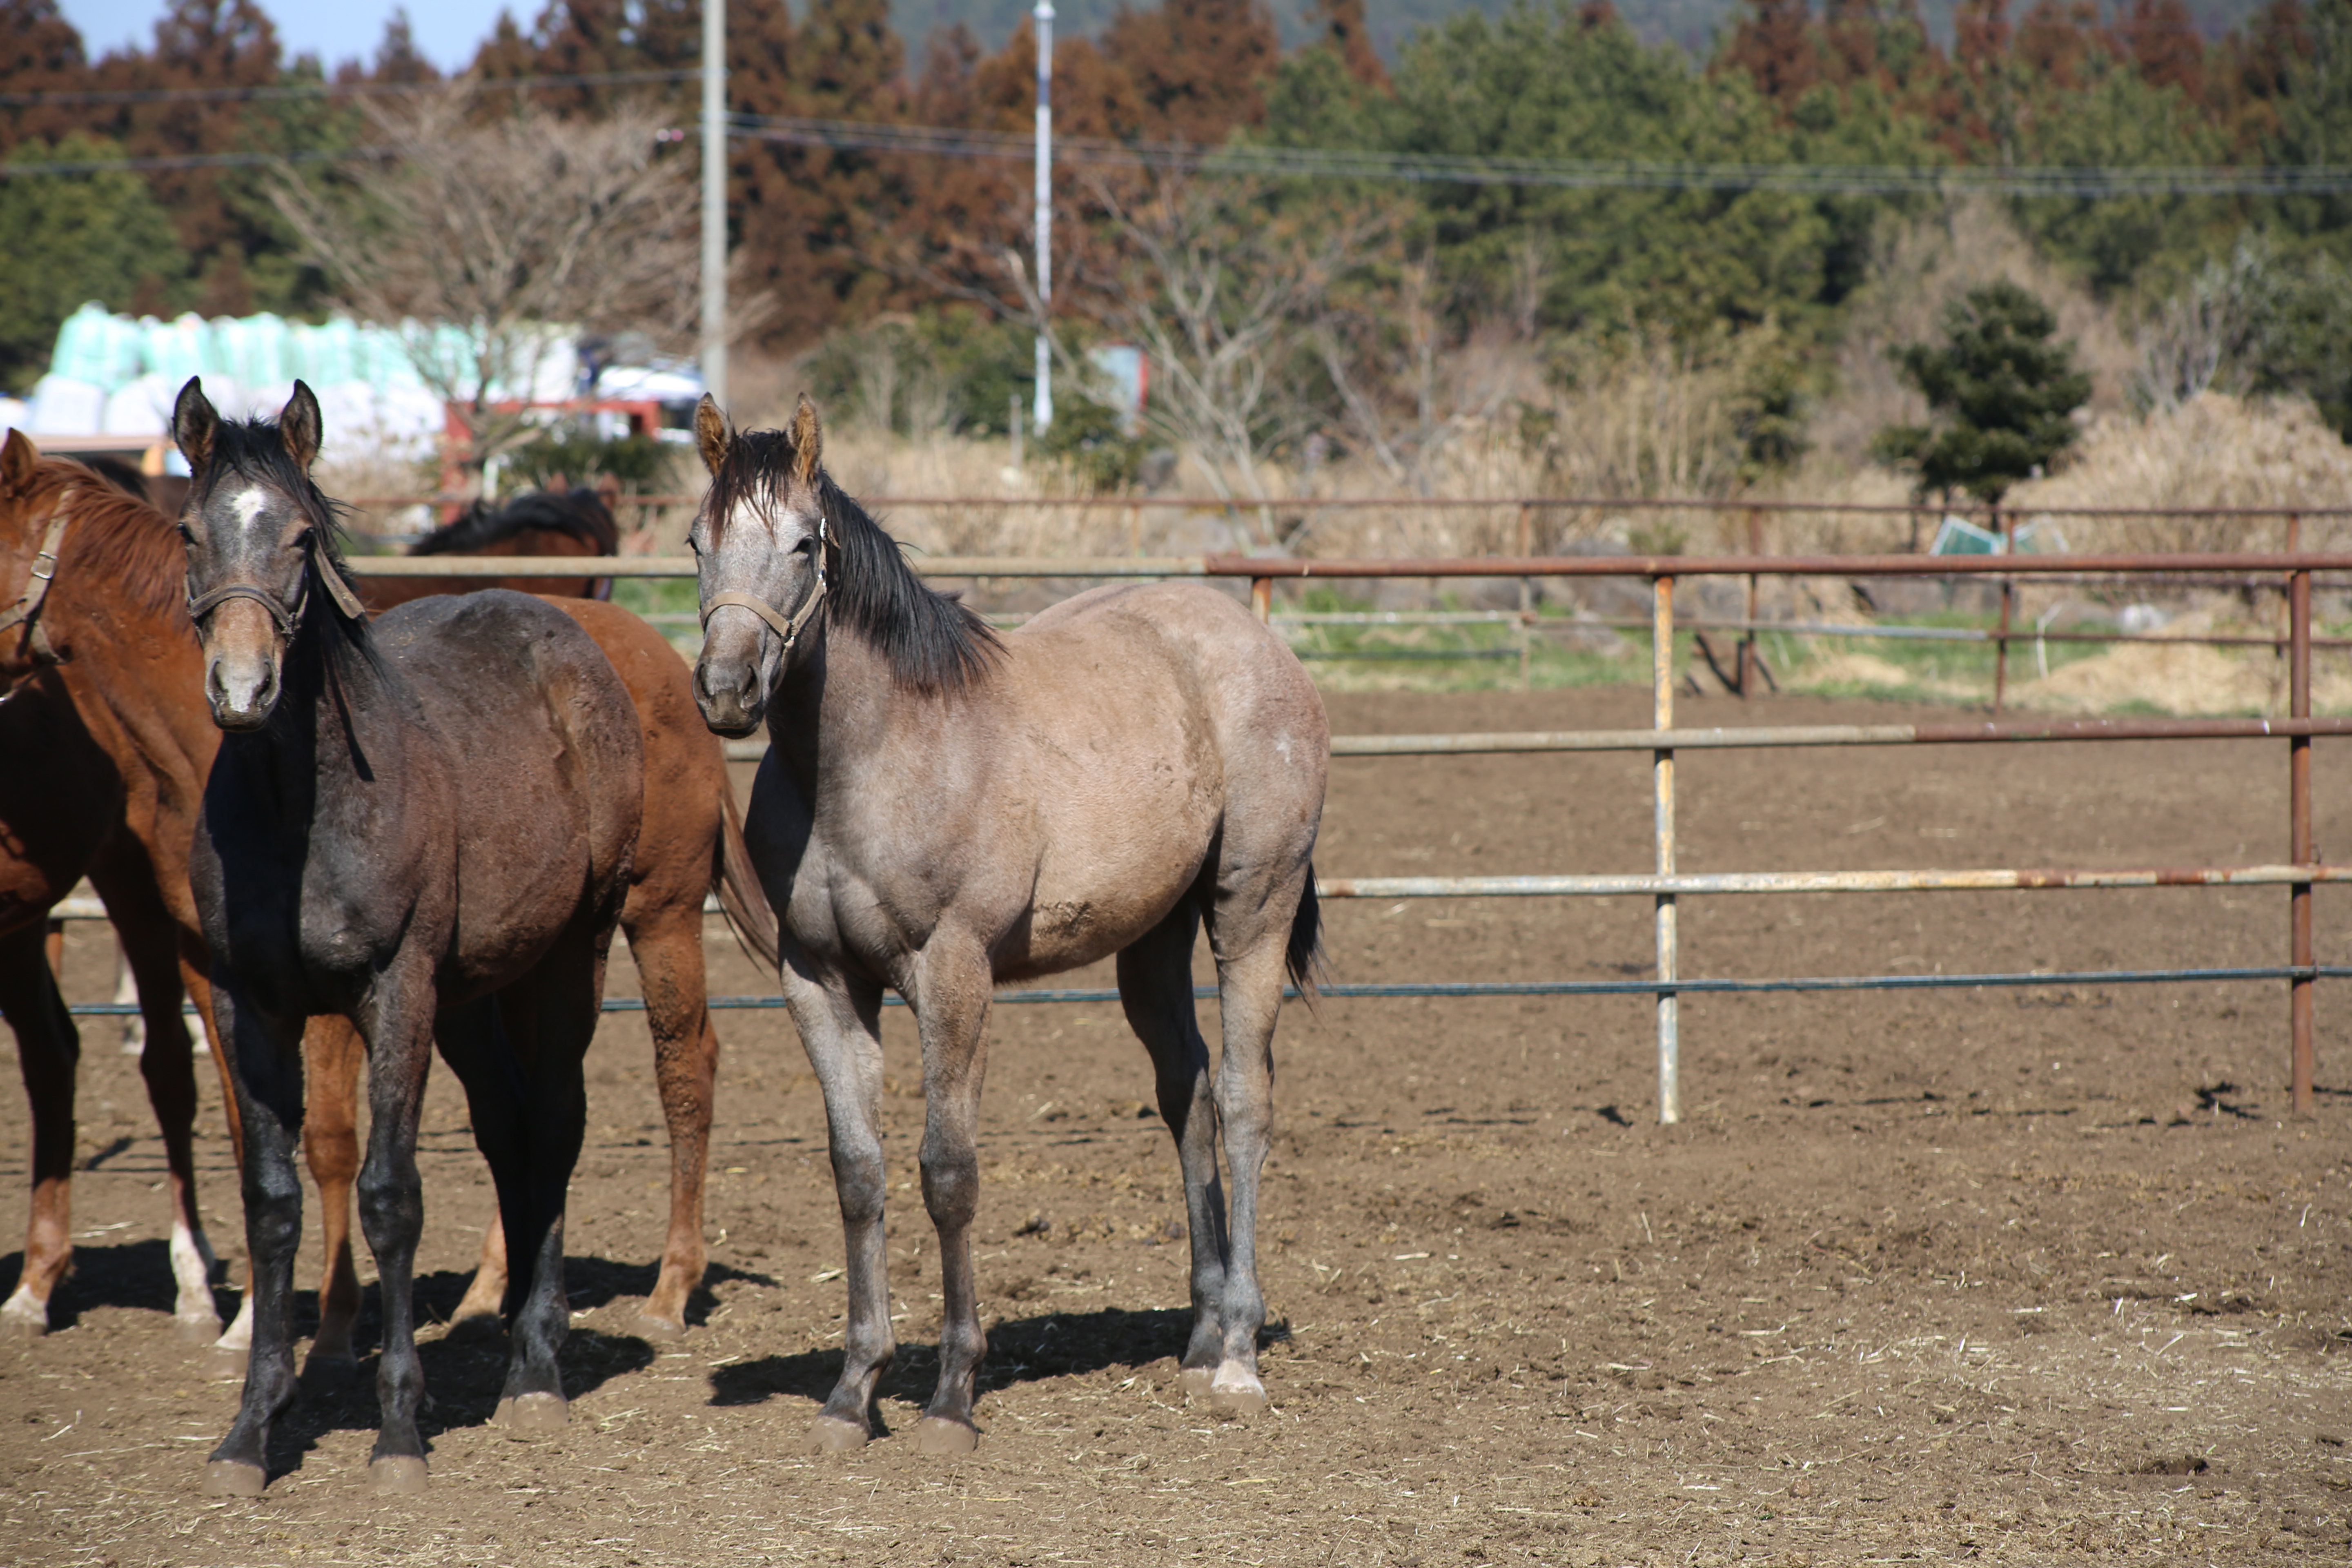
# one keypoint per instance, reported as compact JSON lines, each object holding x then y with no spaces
{"x":2291,"y":573}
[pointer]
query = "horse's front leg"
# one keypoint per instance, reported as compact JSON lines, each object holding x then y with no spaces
{"x":150,"y":948}
{"x":841,"y":1028}
{"x":951,"y":1009}
{"x":266,"y":1058}
{"x":398,"y":1025}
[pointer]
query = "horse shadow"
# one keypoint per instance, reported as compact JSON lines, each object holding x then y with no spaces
{"x":1022,"y":1349}
{"x":464,"y":1372}
{"x":134,"y":1274}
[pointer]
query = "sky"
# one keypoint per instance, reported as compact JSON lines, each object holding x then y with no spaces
{"x":446,"y":30}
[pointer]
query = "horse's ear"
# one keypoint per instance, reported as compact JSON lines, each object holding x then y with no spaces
{"x":17,"y":456}
{"x":194,"y":419}
{"x":299,"y":425}
{"x":710,"y":432}
{"x":808,"y":441}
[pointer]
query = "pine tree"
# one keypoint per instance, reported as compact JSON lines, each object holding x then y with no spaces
{"x":2003,"y":394}
{"x":1346,"y":34}
{"x":39,"y":52}
{"x":1774,"y":45}
{"x":1197,"y":64}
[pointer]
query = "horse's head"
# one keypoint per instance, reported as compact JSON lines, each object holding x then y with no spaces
{"x":28,"y":542}
{"x":258,"y":534}
{"x":760,"y":544}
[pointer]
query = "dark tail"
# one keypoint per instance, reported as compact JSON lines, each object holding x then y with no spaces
{"x":1304,"y":955}
{"x":737,"y":884}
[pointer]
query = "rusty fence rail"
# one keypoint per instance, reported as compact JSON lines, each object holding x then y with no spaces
{"x":1664,"y":884}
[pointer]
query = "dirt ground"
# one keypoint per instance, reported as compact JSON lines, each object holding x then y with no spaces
{"x":2021,"y":1276}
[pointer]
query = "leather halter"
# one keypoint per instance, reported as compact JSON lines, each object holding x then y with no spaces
{"x":26,"y":611}
{"x":790,"y":630}
{"x":288,"y":617}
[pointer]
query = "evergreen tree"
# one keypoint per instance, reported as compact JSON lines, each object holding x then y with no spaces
{"x":67,"y":238}
{"x":39,"y":52}
{"x":1345,"y":33}
{"x":2002,"y":391}
{"x":1199,"y":65}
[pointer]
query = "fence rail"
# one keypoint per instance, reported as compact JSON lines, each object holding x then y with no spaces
{"x":2292,"y":571}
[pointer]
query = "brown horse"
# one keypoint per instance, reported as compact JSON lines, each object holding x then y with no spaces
{"x":73,"y":803}
{"x":129,"y":688}
{"x":561,"y":522}
{"x":941,"y":810}
{"x":424,"y":825}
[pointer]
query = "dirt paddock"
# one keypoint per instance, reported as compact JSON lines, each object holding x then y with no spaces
{"x":2032,"y":1277}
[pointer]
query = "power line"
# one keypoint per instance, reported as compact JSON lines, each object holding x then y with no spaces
{"x":1423,"y":168}
{"x":302,"y":90}
{"x":1316,"y":163}
{"x":188,"y":161}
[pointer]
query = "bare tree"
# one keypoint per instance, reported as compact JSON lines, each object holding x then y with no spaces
{"x":489,"y":242}
{"x":1407,"y":393}
{"x":1220,"y":286}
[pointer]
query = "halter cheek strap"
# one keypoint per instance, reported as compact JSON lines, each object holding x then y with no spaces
{"x":790,"y":630}
{"x":26,"y":611}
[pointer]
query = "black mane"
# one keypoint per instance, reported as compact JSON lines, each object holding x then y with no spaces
{"x":580,"y":513}
{"x":932,"y":643}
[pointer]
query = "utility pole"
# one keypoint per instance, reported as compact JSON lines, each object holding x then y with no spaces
{"x":1043,"y":415}
{"x":714,"y":199}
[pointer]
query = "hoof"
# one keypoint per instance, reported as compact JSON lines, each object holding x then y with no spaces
{"x":225,"y":1362}
{"x":20,"y":1321}
{"x":1194,"y":1382}
{"x":651,"y":1327}
{"x":941,"y":1435}
{"x":832,"y":1434}
{"x":233,"y":1478}
{"x":197,"y":1328}
{"x":400,"y":1473}
{"x":1236,"y":1392}
{"x":532,"y":1414}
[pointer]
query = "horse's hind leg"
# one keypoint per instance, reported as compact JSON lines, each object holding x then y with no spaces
{"x":48,"y":1050}
{"x":334,"y":1052}
{"x":1155,"y":986}
{"x":1249,"y":985}
{"x":668,"y":950}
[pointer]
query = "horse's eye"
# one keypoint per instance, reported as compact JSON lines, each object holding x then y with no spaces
{"x":807,"y":546}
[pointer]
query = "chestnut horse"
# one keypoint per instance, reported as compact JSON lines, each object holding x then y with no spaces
{"x":940,"y":809}
{"x":127,"y":744}
{"x":424,"y":825}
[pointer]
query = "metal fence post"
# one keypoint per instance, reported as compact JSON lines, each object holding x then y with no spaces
{"x":2008,"y":600}
{"x":1661,"y":777}
{"x":1747,"y":638}
{"x":1262,"y":598}
{"x":2300,"y":850}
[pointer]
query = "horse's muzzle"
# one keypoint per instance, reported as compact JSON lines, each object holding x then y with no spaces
{"x":730,"y":707}
{"x":242,"y":690}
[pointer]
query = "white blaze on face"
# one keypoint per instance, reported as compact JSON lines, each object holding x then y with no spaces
{"x":248,"y":504}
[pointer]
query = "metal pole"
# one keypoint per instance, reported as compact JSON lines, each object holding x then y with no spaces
{"x":2300,"y":850}
{"x":1747,"y":639}
{"x":1043,"y":416}
{"x":714,"y":199}
{"x":2001,"y":637}
{"x":1262,"y":598}
{"x":1661,"y":777}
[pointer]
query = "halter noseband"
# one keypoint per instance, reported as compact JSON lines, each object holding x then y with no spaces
{"x":348,"y":602}
{"x":26,"y":611}
{"x":790,"y":630}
